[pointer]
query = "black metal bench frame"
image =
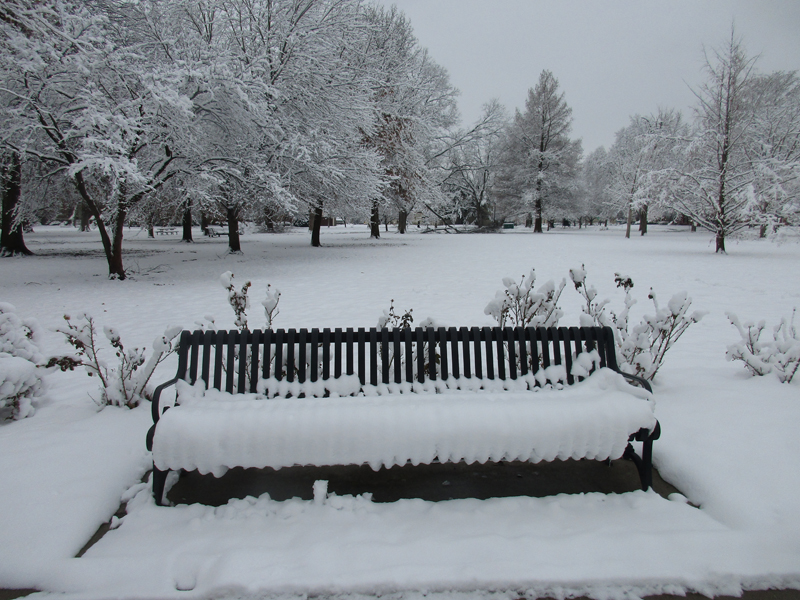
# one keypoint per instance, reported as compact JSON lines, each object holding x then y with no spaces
{"x":302,"y":355}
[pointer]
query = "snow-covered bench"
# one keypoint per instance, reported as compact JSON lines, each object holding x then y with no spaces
{"x":388,"y":397}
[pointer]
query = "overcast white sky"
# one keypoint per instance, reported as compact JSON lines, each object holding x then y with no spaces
{"x":613,"y":58}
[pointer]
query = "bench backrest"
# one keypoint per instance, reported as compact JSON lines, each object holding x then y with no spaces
{"x":382,"y":355}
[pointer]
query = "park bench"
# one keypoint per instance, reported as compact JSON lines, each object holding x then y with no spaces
{"x":387,"y":397}
{"x":166,"y":231}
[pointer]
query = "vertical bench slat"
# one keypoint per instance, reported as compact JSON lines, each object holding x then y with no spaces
{"x":508,"y":334}
{"x":302,"y":355}
{"x":385,"y":358}
{"x":194,"y":356}
{"x":519,"y":334}
{"x":419,"y":337}
{"x":362,"y":362}
{"x":501,"y":352}
{"x":409,"y":354}
{"x":398,"y":364}
{"x":475,"y":338}
{"x":184,"y":347}
{"x":373,"y":356}
{"x":465,"y":351}
{"x":544,"y":347}
{"x":291,"y":340}
{"x":242,"y":374}
{"x":454,"y":368}
{"x":208,"y":337}
{"x":487,"y":340}
{"x":572,"y":347}
{"x":278,"y":369}
{"x":255,"y":348}
{"x":326,"y":354}
{"x":267,"y":360}
{"x":230,"y":347}
{"x":431,"y":335}
{"x":313,"y":340}
{"x":606,"y":344}
{"x":337,"y":353}
{"x":444,"y":370}
{"x":349,"y":346}
{"x":219,"y":357}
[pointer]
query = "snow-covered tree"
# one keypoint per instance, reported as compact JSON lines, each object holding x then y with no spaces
{"x":540,"y":161}
{"x":414,"y":104}
{"x":94,"y":109}
{"x":11,"y":237}
{"x":473,"y":160}
{"x":773,"y":149}
{"x":596,"y":175}
{"x":641,"y":163}
{"x":717,"y":178}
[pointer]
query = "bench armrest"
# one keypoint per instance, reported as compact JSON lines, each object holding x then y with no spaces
{"x":637,"y":381}
{"x":156,"y":402}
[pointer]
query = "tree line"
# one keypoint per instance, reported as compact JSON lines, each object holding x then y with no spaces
{"x":262,"y":110}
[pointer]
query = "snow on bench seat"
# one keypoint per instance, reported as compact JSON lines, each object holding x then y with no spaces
{"x":211,"y":431}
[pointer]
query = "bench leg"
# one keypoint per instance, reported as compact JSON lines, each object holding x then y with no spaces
{"x":630,"y":454}
{"x":159,"y":481}
{"x":644,"y":464}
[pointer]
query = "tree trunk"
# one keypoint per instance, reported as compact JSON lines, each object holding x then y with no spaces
{"x":85,"y":215}
{"x":115,"y":269}
{"x":694,"y":227}
{"x":233,"y":230}
{"x":643,"y":219}
{"x":375,"y":221}
{"x":11,"y":238}
{"x":317,"y":224}
{"x":269,"y":219}
{"x":529,"y":220}
{"x":114,"y":259}
{"x":402,"y":221}
{"x":762,"y":231}
{"x":630,"y":220}
{"x":204,"y":222}
{"x":721,"y":242}
{"x":187,"y":222}
{"x":151,"y":231}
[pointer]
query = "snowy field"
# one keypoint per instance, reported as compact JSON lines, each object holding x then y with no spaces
{"x":729,"y":441}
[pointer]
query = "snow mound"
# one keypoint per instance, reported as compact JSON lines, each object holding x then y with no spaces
{"x":211,"y":431}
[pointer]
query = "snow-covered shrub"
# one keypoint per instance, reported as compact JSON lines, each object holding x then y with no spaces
{"x":391,"y":320}
{"x":238,"y":299}
{"x":640,"y":348}
{"x":519,"y":305}
{"x":20,"y":377}
{"x":122,"y":385}
{"x":270,"y":304}
{"x":240,"y":302}
{"x":780,"y":355}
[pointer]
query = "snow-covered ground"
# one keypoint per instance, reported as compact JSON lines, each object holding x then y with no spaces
{"x":729,"y":441}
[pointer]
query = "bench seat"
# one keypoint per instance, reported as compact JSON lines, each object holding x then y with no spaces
{"x":213,"y":431}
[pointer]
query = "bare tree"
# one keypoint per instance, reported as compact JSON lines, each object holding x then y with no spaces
{"x":715,"y":181}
